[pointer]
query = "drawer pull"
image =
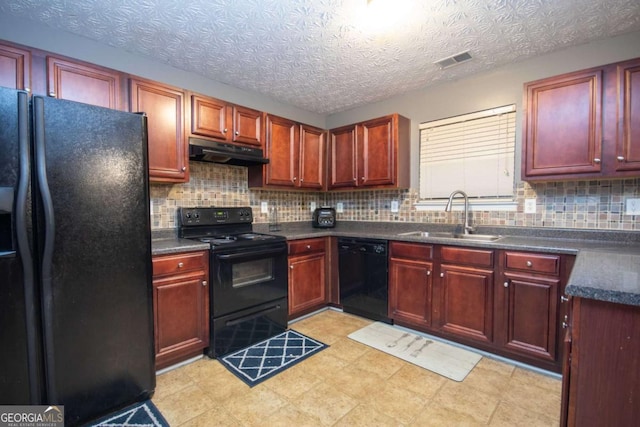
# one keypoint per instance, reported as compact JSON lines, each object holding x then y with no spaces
{"x":308,"y":246}
{"x":180,"y":264}
{"x":529,"y":264}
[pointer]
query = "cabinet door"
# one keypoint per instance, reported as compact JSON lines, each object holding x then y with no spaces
{"x":312,"y":152}
{"x":15,"y":67}
{"x":376,"y":156}
{"x":181,"y":311}
{"x":281,"y":150}
{"x":628,"y":148}
{"x":307,"y":284}
{"x":209,"y":117}
{"x":163,"y":106}
{"x":563,"y":126}
{"x":343,"y":157}
{"x":410,"y":291}
{"x":467,"y":302}
{"x":83,"y":83}
{"x":247,"y":126}
{"x":530,"y":311}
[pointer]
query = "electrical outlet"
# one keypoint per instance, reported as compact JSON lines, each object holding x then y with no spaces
{"x":633,"y":207}
{"x":394,"y":206}
{"x":264,"y":207}
{"x":530,"y":206}
{"x":339,"y":207}
{"x":312,"y":206}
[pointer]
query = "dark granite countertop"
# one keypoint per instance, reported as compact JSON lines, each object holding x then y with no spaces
{"x":607,"y":266}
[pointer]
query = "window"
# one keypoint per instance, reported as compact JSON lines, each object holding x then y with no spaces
{"x":473,"y":152}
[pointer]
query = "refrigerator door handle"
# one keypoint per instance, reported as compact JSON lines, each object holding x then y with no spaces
{"x":47,"y":252}
{"x":23,"y":247}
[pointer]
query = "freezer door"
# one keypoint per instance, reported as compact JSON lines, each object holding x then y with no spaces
{"x":20,"y":361}
{"x":91,"y":168}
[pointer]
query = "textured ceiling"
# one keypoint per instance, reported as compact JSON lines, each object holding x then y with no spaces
{"x":327,"y":56}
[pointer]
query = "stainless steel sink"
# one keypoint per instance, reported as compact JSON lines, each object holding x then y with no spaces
{"x":449,"y":235}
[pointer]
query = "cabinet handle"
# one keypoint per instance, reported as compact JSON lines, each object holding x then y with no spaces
{"x":180,"y":264}
{"x":354,"y":179}
{"x":529,"y":264}
{"x":308,"y":246}
{"x":565,"y":325}
{"x":53,"y":94}
{"x":291,"y":267}
{"x":506,"y":284}
{"x":237,"y":133}
{"x":441,"y":274}
{"x":224,"y":130}
{"x":204,"y":283}
{"x":596,"y":160}
{"x":620,"y":158}
{"x":428,"y":272}
{"x":362,"y":179}
{"x":184,"y":168}
{"x":295,"y":178}
{"x":563,"y":298}
{"x":301,"y":180}
{"x":27,"y":89}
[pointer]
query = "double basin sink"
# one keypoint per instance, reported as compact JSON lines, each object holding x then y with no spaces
{"x":451,"y":235}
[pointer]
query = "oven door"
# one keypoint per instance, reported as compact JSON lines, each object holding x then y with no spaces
{"x":247,"y":277}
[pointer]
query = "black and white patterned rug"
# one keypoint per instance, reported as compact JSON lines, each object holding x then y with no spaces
{"x":265,"y":359}
{"x":140,"y":414}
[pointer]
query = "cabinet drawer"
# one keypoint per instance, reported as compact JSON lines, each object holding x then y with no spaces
{"x":415,"y":251}
{"x":307,"y":246}
{"x":178,"y":263}
{"x":457,"y":255}
{"x":538,"y":263}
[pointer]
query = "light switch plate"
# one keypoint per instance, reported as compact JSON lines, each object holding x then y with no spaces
{"x":264,"y":207}
{"x":633,"y":207}
{"x":394,"y":206}
{"x":339,"y":207}
{"x":530,"y":206}
{"x":312,"y":206}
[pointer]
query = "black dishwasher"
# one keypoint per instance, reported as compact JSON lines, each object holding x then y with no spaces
{"x":363,"y":269}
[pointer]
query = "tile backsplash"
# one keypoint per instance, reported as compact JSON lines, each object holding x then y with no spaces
{"x":571,"y":204}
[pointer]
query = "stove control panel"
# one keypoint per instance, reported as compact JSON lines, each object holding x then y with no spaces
{"x":214,"y":216}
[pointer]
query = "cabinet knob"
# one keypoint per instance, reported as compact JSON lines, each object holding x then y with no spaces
{"x":354,"y":179}
{"x":596,"y":160}
{"x":237,"y":133}
{"x":529,"y":264}
{"x":184,"y":168}
{"x":52,"y":94}
{"x":308,"y":246}
{"x":565,"y":325}
{"x":563,"y":298}
{"x":428,"y":272}
{"x":362,"y":179}
{"x":441,"y":274}
{"x":180,"y":264}
{"x":27,"y":89}
{"x":301,"y":180}
{"x":620,"y":158}
{"x":224,"y":130}
{"x":506,"y":284}
{"x":295,"y":178}
{"x":291,"y":267}
{"x":204,"y":283}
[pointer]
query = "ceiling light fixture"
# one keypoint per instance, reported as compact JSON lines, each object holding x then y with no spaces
{"x":452,"y":60}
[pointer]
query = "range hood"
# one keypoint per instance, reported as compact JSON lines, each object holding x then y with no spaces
{"x":203,"y":150}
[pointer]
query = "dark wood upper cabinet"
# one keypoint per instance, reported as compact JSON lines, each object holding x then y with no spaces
{"x":247,"y":126}
{"x":85,"y":83}
{"x":163,"y":106}
{"x":371,"y":154}
{"x":209,"y":117}
{"x":583,"y":125}
{"x":563,"y":125}
{"x":628,"y":147}
{"x":296,"y":154}
{"x":15,"y":67}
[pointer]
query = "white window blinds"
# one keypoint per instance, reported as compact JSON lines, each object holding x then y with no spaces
{"x":473,"y":152}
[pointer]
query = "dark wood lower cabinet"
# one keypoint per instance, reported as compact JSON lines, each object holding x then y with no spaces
{"x":307,"y":276}
{"x":603,"y":386}
{"x":180,"y":306}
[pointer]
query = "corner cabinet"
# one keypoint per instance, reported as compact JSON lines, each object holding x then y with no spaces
{"x":180,"y":306}
{"x":371,"y":154}
{"x":307,"y":276}
{"x":583,"y":124}
{"x":164,"y":107}
{"x":296,"y":153}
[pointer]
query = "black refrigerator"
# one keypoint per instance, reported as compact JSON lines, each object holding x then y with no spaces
{"x":76,"y":312}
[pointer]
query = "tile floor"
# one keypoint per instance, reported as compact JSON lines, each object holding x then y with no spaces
{"x":350,"y":384}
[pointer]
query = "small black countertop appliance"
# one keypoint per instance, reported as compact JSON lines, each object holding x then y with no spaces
{"x":324,"y":217}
